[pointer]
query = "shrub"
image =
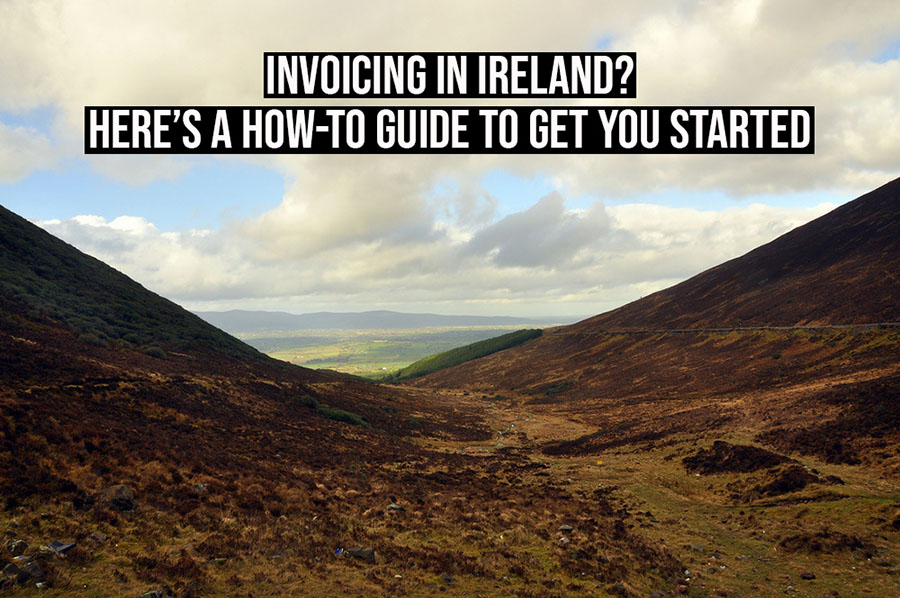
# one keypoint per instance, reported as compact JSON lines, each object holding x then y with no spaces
{"x":154,"y":351}
{"x":132,"y":338}
{"x":92,"y":339}
{"x":342,"y":416}
{"x":308,"y":401}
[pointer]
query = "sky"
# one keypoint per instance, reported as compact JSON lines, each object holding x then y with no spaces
{"x":525,"y":235}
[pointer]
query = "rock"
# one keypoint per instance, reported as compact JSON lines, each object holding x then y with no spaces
{"x":363,"y":554}
{"x":564,"y":540}
{"x":28,"y":569}
{"x":10,"y":569}
{"x":166,"y":592}
{"x":394,"y":507}
{"x":98,"y":537}
{"x":119,"y":498}
{"x":698,"y":548}
{"x":16,"y":547}
{"x":566,"y":528}
{"x":681,"y":588}
{"x":60,"y":547}
{"x":807,"y":575}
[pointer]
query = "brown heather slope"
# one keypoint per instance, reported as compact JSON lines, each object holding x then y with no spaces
{"x":841,"y":268}
{"x":767,"y":460}
{"x":245,"y":484}
{"x":655,"y":368}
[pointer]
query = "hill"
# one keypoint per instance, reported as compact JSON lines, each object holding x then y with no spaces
{"x":52,"y":279}
{"x":751,"y":414}
{"x":838,"y":269}
{"x":248,"y":322}
{"x":203,"y":468}
{"x":459,"y":355}
{"x":767,"y":328}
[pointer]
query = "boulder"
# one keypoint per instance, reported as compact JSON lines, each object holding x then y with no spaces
{"x":10,"y":569}
{"x":60,"y":547}
{"x":16,"y":547}
{"x":28,"y":570}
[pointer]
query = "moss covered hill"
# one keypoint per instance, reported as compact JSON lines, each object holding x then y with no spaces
{"x":453,"y":357}
{"x":51,"y":279}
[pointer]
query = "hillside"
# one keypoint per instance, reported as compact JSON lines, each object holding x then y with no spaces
{"x":459,"y":355}
{"x":710,"y":353}
{"x":52,"y":279}
{"x":161,"y":457}
{"x":741,"y":412}
{"x":841,"y":268}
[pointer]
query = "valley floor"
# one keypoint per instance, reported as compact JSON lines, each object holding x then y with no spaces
{"x":820,"y":540}
{"x":496,"y":496}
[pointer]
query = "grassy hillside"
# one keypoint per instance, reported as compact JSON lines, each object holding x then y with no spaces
{"x":55,"y":280}
{"x":460,"y":355}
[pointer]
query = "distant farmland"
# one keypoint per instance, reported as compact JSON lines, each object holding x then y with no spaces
{"x":370,"y":353}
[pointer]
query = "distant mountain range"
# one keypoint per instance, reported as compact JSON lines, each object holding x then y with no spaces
{"x":248,"y":322}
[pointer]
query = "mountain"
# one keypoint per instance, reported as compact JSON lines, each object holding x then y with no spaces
{"x":51,"y":279}
{"x":144,"y":452}
{"x":244,"y":322}
{"x":718,"y":351}
{"x":749,"y":416}
{"x":841,"y":268}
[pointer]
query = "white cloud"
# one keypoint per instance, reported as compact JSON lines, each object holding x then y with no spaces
{"x":579,"y":261}
{"x":369,"y":229}
{"x":68,"y":55}
{"x":22,"y":151}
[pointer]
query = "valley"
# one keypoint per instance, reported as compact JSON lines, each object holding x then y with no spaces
{"x":735,"y":435}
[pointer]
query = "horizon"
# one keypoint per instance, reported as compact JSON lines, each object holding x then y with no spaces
{"x":371,"y":311}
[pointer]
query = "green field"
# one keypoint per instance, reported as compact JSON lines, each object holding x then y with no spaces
{"x":371,"y":353}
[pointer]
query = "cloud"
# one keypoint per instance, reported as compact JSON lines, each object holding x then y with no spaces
{"x":22,"y":151}
{"x":545,"y":235}
{"x":547,"y":258}
{"x":812,"y":52}
{"x":392,"y":230}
